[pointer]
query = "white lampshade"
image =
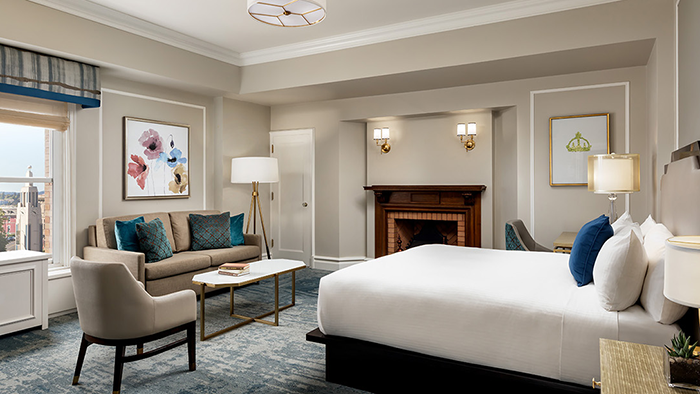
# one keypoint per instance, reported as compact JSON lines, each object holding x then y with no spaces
{"x":613,"y":173}
{"x":254,"y":169}
{"x":461,"y":129}
{"x":471,"y":128}
{"x":385,"y":133}
{"x":288,"y":13}
{"x":377,"y":134}
{"x":682,"y":270}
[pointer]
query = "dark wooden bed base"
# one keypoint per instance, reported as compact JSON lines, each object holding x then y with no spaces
{"x":383,"y":369}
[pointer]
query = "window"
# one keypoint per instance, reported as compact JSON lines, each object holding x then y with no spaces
{"x":33,"y":168}
{"x":27,"y":188}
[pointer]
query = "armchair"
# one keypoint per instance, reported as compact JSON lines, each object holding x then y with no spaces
{"x":114,"y":309}
{"x":518,"y":238}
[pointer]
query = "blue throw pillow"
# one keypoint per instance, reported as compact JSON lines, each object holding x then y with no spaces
{"x":125,"y":232}
{"x":237,"y":230}
{"x":586,"y":246}
{"x":153,"y":240}
{"x":210,"y":231}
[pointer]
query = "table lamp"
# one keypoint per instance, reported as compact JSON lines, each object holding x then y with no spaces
{"x":255,"y":170}
{"x":613,"y":174}
{"x":682,"y":270}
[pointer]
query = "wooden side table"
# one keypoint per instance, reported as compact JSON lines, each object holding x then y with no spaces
{"x":564,"y":242}
{"x":627,"y":367}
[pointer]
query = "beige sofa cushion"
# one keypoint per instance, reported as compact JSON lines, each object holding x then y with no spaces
{"x":180,"y":222}
{"x":105,"y":228}
{"x":228,"y":255}
{"x":178,"y":264}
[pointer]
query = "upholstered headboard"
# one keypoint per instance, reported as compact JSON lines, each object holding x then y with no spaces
{"x":680,"y":192}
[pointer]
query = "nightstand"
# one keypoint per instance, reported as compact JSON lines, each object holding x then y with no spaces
{"x":564,"y":242}
{"x":627,"y":367}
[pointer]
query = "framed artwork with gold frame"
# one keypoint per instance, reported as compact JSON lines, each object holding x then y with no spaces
{"x":571,"y":140}
{"x":156,"y":159}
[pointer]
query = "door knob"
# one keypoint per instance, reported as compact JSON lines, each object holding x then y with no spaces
{"x":304,"y":204}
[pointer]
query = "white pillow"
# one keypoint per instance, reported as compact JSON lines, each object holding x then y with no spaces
{"x":622,"y":222}
{"x":647,"y":225}
{"x":661,"y":309}
{"x":619,"y":270}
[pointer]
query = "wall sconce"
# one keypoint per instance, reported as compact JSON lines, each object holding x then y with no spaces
{"x":382,"y":135}
{"x":464,"y":130}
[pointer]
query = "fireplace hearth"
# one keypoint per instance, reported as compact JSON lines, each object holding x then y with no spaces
{"x":408,"y":216}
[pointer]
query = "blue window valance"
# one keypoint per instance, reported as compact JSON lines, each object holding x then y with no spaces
{"x":33,"y":74}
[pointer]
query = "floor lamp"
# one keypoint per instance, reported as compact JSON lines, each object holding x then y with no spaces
{"x":255,"y":170}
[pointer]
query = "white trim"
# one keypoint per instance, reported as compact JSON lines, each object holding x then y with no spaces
{"x":336,"y":263}
{"x":167,"y":101}
{"x":532,"y":135}
{"x":676,"y":132}
{"x":511,"y":10}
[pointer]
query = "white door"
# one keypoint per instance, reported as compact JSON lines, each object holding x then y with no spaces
{"x":292,"y":205}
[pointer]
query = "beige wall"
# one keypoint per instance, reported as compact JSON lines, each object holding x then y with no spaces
{"x":425,"y":150}
{"x":99,"y":151}
{"x":245,"y":132}
{"x":688,"y":66}
{"x":513,"y":173}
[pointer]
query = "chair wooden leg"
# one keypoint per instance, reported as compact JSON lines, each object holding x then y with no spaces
{"x":139,"y":348}
{"x":191,"y":349}
{"x":118,"y":368}
{"x":81,"y":357}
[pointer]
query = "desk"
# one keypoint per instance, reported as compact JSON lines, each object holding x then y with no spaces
{"x":564,"y":242}
{"x":627,"y":367}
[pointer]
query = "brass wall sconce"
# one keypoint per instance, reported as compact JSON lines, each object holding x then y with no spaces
{"x":464,"y":130}
{"x":381,"y":138}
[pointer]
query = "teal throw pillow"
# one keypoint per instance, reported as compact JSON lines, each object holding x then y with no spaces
{"x":125,"y":232}
{"x":586,"y":246}
{"x":153,"y":240}
{"x":210,"y":231}
{"x":237,"y":230}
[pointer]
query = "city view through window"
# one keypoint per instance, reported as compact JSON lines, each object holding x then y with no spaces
{"x":25,"y":206}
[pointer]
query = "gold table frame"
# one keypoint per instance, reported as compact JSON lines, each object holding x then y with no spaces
{"x":247,"y":319}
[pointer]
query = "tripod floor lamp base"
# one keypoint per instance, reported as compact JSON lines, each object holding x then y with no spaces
{"x":255,"y":203}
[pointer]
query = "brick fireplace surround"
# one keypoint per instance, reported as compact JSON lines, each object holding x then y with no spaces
{"x":438,"y":204}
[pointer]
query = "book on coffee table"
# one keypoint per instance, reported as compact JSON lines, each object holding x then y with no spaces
{"x":234,"y":269}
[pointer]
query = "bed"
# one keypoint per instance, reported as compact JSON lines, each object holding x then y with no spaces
{"x":436,"y":316}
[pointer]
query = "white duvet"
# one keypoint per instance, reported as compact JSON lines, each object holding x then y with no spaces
{"x":520,"y":311}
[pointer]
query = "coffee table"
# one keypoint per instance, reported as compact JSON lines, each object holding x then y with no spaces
{"x":259,"y":270}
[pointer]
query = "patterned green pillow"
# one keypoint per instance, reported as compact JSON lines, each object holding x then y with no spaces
{"x":153,"y":240}
{"x":210,"y":231}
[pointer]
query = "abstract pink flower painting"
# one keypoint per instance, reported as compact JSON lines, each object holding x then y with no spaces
{"x":155,"y":168}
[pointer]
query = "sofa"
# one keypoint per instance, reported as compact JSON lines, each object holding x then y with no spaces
{"x":173,"y":273}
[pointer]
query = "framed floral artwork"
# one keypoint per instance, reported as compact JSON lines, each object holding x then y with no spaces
{"x":571,"y":140}
{"x":156,"y":161}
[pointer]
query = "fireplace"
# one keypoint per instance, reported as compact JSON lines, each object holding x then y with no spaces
{"x":408,"y":216}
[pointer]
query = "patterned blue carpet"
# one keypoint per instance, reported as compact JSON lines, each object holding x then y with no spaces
{"x":255,"y":358}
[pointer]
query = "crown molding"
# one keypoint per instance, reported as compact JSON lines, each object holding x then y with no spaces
{"x":118,"y":20}
{"x":511,"y":10}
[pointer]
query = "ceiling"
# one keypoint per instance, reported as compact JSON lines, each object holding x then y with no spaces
{"x":222,"y":29}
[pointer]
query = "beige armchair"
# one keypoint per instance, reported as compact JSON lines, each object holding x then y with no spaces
{"x":115,"y":310}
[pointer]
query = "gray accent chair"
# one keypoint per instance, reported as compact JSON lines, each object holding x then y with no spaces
{"x":518,"y":238}
{"x":114,"y":309}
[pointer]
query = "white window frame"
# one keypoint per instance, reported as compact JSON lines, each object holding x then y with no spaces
{"x":62,"y":173}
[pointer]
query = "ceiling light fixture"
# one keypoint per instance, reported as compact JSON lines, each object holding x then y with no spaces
{"x":288,"y":13}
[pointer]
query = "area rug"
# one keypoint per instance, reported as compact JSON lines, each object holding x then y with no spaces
{"x":255,"y":358}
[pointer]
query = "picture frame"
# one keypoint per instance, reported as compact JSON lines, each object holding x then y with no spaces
{"x":155,"y":159}
{"x":571,"y":140}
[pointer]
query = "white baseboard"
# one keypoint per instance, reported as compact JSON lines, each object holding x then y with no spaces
{"x":336,"y":263}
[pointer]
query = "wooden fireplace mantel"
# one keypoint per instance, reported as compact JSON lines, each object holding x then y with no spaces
{"x":462,"y":199}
